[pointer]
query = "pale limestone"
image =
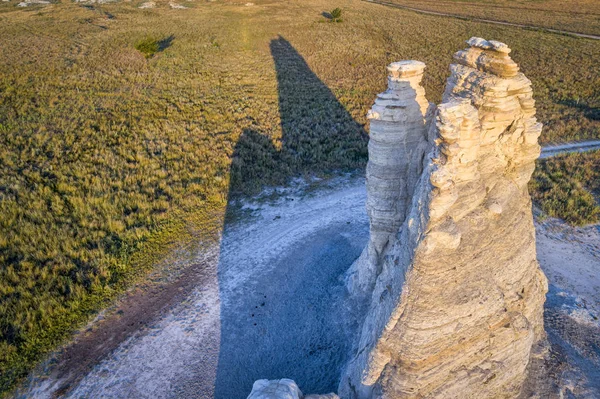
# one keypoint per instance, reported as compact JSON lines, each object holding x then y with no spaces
{"x":28,"y":3}
{"x":458,"y":297}
{"x":398,"y":141}
{"x":450,"y":278}
{"x":275,"y":389}
{"x":282,"y":389}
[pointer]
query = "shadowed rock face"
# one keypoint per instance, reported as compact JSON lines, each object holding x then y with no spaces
{"x":458,"y":297}
{"x":282,"y":389}
{"x":398,"y":139}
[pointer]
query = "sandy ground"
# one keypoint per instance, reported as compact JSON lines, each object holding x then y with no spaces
{"x":570,"y":258}
{"x":273,"y":305}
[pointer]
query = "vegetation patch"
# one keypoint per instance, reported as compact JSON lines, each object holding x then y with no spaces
{"x":334,"y":15}
{"x":568,"y":187}
{"x":149,"y":46}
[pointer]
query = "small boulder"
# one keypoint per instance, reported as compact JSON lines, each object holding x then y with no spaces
{"x":275,"y":389}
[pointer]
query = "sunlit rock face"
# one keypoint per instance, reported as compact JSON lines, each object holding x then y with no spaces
{"x":456,"y":294}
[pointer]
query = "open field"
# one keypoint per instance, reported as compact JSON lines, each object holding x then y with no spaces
{"x":580,"y":16}
{"x":109,"y":160}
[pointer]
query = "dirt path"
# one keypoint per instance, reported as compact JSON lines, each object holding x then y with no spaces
{"x":247,"y":318}
{"x":583,"y":146}
{"x":245,"y":309}
{"x":489,"y":21}
{"x":570,"y":258}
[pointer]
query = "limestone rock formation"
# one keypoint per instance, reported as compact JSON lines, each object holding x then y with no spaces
{"x":397,"y":145}
{"x":457,"y":295}
{"x":282,"y":389}
{"x":450,"y":282}
{"x":275,"y":389}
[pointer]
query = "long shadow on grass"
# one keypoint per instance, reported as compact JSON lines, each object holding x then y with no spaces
{"x":288,"y":318}
{"x":318,"y":134}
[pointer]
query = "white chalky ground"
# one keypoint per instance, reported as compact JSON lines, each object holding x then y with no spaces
{"x":276,"y":307}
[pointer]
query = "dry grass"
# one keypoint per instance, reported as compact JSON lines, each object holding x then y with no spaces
{"x":107,"y":156}
{"x":581,"y":16}
{"x":568,"y":187}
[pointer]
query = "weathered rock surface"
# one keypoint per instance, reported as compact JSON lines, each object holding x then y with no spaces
{"x":450,"y":282}
{"x":282,"y":389}
{"x":28,"y":3}
{"x":458,"y":298}
{"x":275,"y":389}
{"x":397,"y":144}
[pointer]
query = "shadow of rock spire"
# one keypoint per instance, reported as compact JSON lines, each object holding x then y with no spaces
{"x":318,"y":133}
{"x":292,"y":321}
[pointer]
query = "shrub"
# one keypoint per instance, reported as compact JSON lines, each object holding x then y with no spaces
{"x":336,"y":15}
{"x":148,"y":46}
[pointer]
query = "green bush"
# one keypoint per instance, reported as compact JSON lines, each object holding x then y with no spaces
{"x":336,"y":15}
{"x":148,"y":46}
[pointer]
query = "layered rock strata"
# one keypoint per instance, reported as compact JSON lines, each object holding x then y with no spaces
{"x":450,"y":282}
{"x":397,"y":138}
{"x":458,"y":296}
{"x":397,"y":145}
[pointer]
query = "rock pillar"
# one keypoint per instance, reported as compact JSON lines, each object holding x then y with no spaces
{"x":458,"y":297}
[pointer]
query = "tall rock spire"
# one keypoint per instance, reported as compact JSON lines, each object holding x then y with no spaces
{"x":456,"y":293}
{"x":397,"y":144}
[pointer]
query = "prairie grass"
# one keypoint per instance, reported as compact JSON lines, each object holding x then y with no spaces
{"x":580,"y":16}
{"x":108,"y":157}
{"x":568,"y":187}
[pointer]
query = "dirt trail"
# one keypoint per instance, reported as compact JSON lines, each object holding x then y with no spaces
{"x":582,"y":146}
{"x":271,"y":304}
{"x":489,"y":21}
{"x":245,"y":309}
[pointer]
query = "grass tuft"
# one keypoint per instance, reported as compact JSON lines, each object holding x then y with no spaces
{"x":149,"y":45}
{"x":336,"y":15}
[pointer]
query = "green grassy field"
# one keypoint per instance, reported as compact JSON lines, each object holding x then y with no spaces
{"x":111,"y":156}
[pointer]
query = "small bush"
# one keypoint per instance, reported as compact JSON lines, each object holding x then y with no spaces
{"x":148,"y":46}
{"x":336,"y":15}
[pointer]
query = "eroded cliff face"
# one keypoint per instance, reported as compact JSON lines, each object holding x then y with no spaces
{"x":457,"y":294}
{"x":450,"y":282}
